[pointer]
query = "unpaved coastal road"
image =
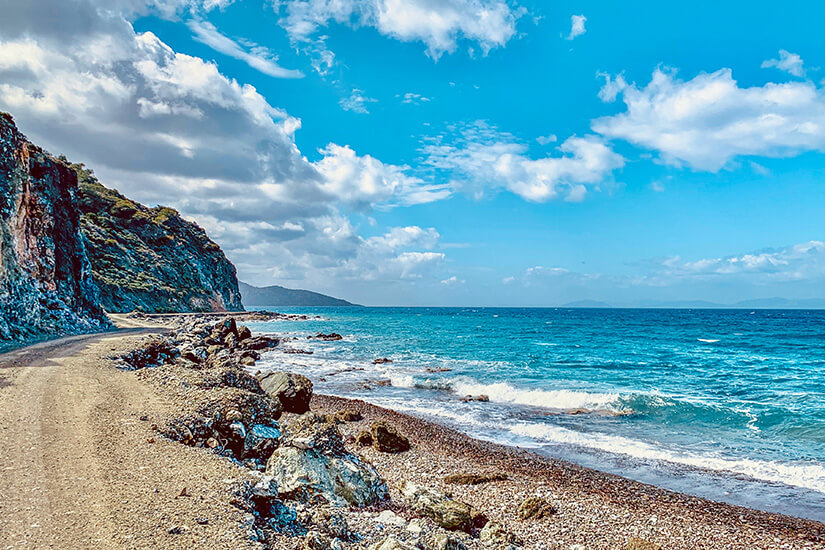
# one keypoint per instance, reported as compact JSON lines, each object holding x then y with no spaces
{"x":80,"y":466}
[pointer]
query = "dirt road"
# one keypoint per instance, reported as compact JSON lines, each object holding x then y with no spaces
{"x":81,"y":467}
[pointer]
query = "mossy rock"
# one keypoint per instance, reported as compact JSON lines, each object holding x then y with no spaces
{"x":535,"y":508}
{"x":364,"y":438}
{"x":641,"y":544}
{"x":348,"y":415}
{"x":473,"y":479}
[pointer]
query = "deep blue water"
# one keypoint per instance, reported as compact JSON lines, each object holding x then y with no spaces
{"x":726,"y":404}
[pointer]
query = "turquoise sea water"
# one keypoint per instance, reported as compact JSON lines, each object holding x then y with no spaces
{"x":726,"y":404}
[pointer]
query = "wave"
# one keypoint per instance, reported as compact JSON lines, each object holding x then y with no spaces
{"x":502,"y":392}
{"x":708,"y":340}
{"x":799,"y":474}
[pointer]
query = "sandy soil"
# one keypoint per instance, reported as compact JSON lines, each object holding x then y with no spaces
{"x":83,"y":468}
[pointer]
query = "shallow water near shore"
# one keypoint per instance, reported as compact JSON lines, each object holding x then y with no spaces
{"x":724,"y":404}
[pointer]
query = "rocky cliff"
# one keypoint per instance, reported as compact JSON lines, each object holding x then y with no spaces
{"x":46,"y":285}
{"x":151,"y":259}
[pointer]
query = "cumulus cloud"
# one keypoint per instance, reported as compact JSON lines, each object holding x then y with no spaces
{"x":357,"y":102}
{"x":708,"y":121}
{"x":165,"y":127}
{"x":438,"y":25}
{"x":484,"y":158}
{"x":576,"y":26}
{"x":415,"y":99}
{"x":789,"y":62}
{"x":612,"y":87}
{"x":257,"y":57}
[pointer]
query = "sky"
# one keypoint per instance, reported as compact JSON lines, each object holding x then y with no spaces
{"x":452,"y":152}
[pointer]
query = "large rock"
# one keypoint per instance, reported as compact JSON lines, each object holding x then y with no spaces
{"x":444,"y":511}
{"x":535,"y":508}
{"x":312,"y":460}
{"x":387,"y":439}
{"x":294,"y":391}
{"x":495,"y":537}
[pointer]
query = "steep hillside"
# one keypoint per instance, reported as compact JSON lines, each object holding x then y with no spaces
{"x":280,"y":296}
{"x":151,"y":259}
{"x":46,"y":285}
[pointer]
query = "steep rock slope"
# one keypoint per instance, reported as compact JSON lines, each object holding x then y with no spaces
{"x":46,"y":285}
{"x":279,"y":296}
{"x":151,"y":259}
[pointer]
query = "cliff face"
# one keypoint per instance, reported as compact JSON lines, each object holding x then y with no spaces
{"x":46,"y":284}
{"x":150,"y":259}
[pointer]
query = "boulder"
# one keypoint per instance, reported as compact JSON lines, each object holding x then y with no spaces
{"x":244,"y":333}
{"x":331,"y":337}
{"x":442,"y":540}
{"x":444,"y":511}
{"x":312,"y":460}
{"x":535,"y":508}
{"x":381,"y":361}
{"x":347,"y":415}
{"x":364,"y":438}
{"x":387,"y":439}
{"x":261,"y":441}
{"x":294,"y":391}
{"x":496,"y":537}
{"x":256,"y":343}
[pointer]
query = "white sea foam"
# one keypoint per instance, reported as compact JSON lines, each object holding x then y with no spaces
{"x":502,"y":392}
{"x":799,"y":474}
{"x":708,"y":340}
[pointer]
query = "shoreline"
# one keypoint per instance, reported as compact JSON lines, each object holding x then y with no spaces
{"x":203,"y":494}
{"x":623,"y":507}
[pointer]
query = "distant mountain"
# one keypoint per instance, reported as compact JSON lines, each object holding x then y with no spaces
{"x":253,"y":296}
{"x":587,"y":303}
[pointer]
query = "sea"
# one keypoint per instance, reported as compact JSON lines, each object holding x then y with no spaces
{"x":723,"y":404}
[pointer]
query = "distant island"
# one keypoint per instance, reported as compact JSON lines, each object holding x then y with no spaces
{"x":275,"y":295}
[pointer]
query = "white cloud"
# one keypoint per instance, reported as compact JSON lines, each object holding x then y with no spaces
{"x":440,"y":25}
{"x":257,"y":57}
{"x":485,"y":158}
{"x":453,"y":281}
{"x":415,"y":99}
{"x":612,"y":87}
{"x":545,"y":140}
{"x":796,"y":262}
{"x":169,"y":128}
{"x":357,"y":102}
{"x":364,"y":180}
{"x":710,"y":120}
{"x":789,"y":62}
{"x":576,"y":26}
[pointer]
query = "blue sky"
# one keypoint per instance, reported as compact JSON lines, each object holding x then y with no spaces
{"x":465,"y":152}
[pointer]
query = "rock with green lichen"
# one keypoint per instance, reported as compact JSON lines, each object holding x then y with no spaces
{"x":535,"y":508}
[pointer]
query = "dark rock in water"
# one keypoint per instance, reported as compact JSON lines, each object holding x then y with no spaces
{"x":244,"y":333}
{"x":46,"y":282}
{"x":333,"y":336}
{"x":479,"y":398}
{"x":535,"y":508}
{"x":473,"y":479}
{"x":312,"y":460}
{"x":294,"y":391}
{"x":257,"y":343}
{"x":381,"y":361}
{"x":387,"y":439}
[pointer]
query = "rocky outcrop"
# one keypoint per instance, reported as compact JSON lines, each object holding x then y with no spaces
{"x":46,"y":283}
{"x":387,"y":439}
{"x":444,"y":511}
{"x":535,"y":508}
{"x":151,"y":259}
{"x":312,"y":460}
